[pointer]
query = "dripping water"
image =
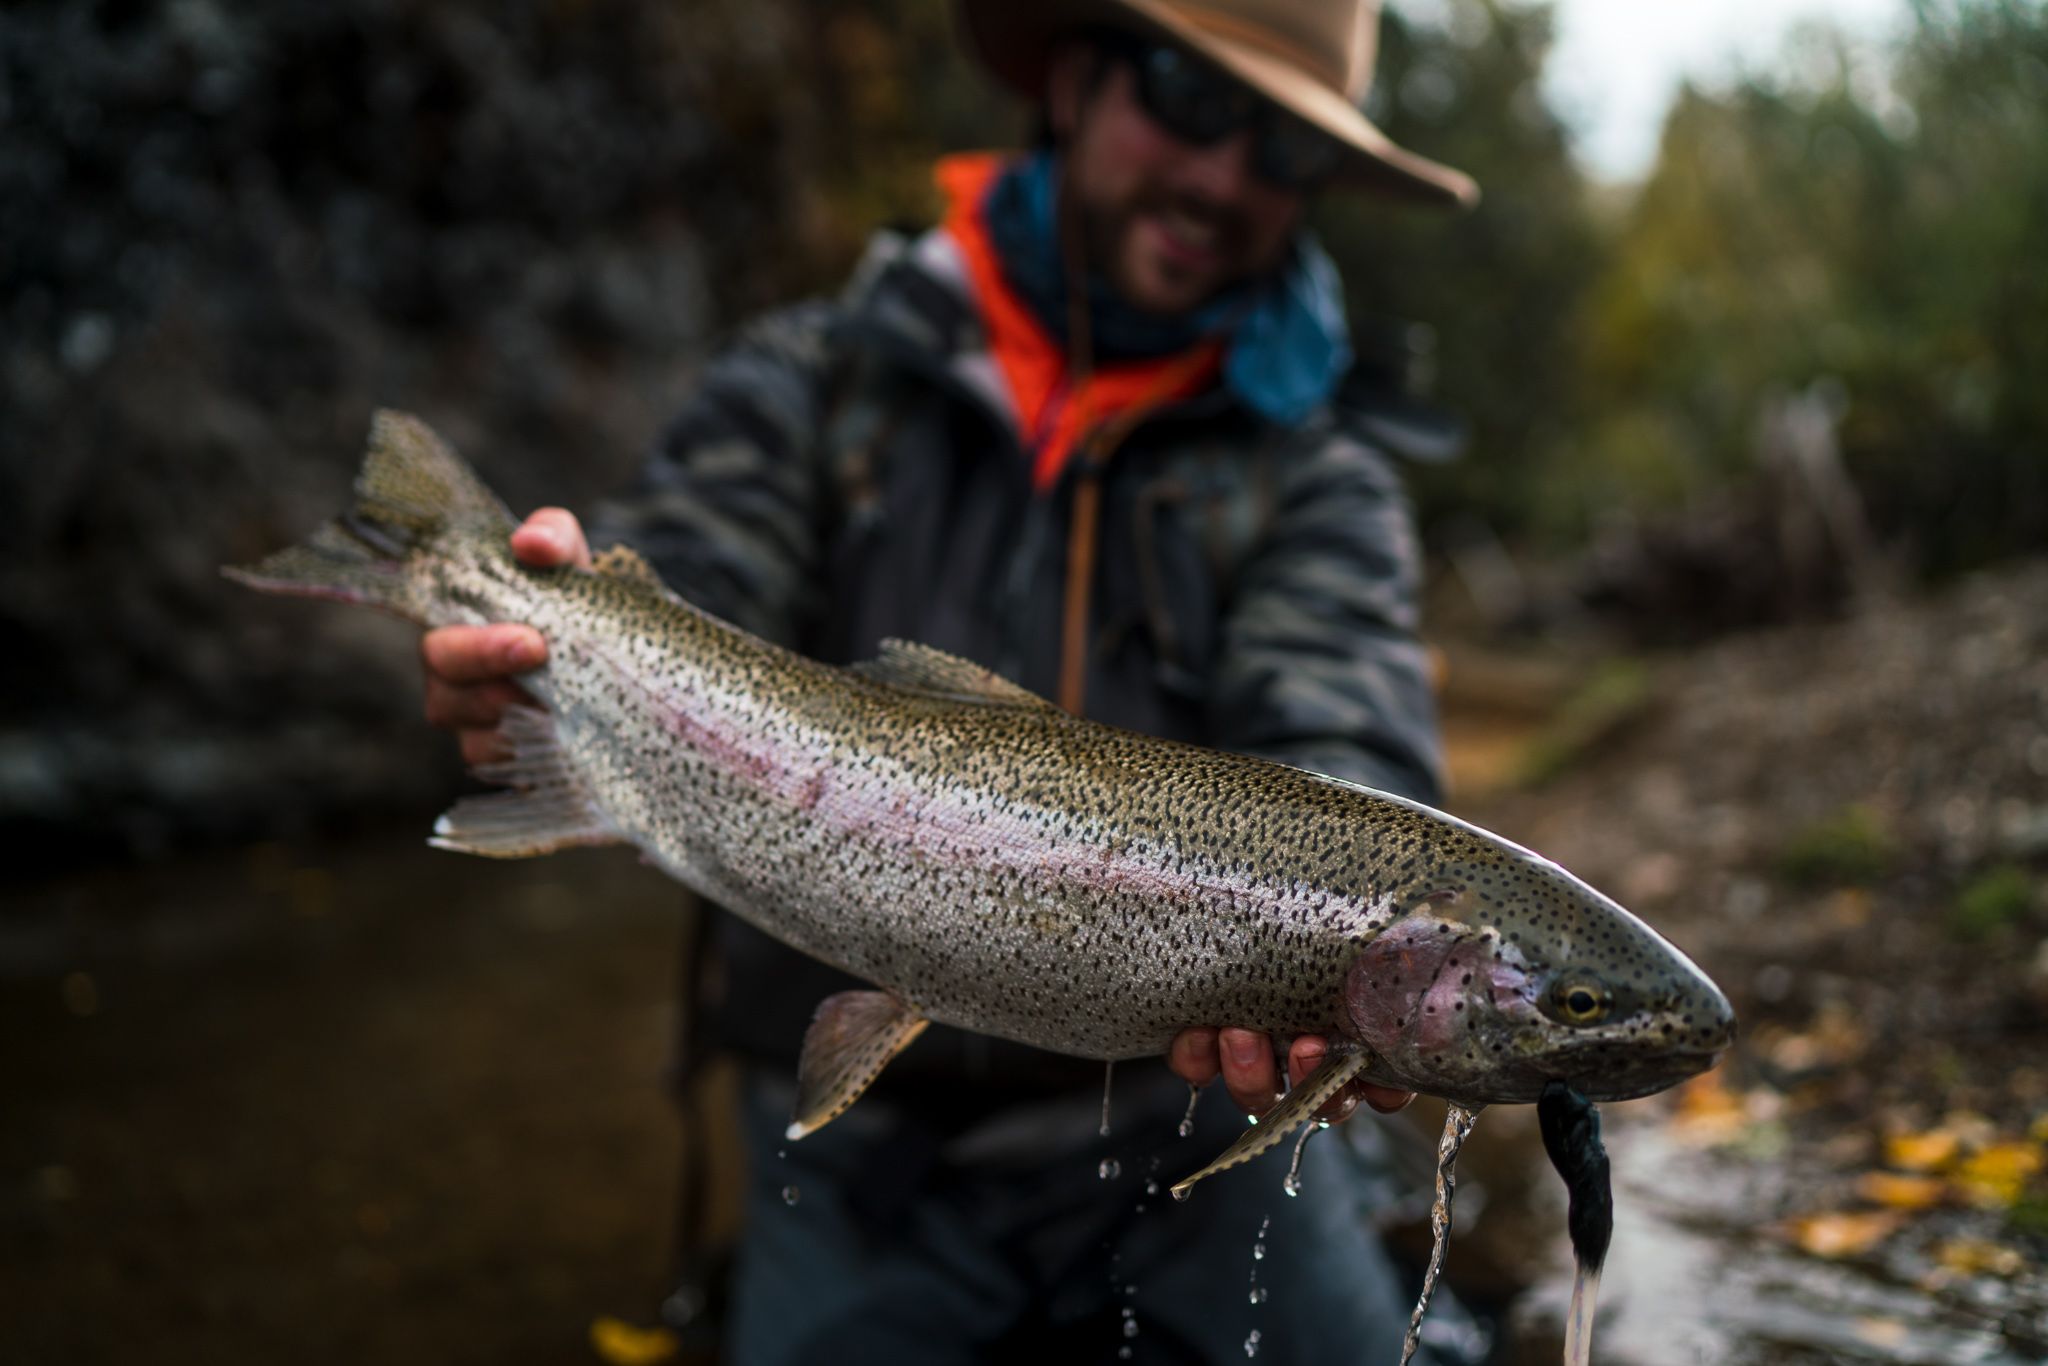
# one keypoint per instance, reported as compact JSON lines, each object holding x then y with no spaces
{"x":1292,"y":1185}
{"x":1187,"y":1121}
{"x":1458,"y":1123}
{"x":1108,"y":1076}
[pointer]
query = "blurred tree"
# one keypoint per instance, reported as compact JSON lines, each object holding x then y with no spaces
{"x":1491,"y":298}
{"x":1868,"y":220}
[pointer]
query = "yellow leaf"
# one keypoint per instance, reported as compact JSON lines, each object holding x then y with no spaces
{"x":1975,"y":1257}
{"x":1708,"y":1112}
{"x":1843,"y":1234}
{"x":1922,"y":1152}
{"x":1997,"y":1174}
{"x":1894,"y":1191}
{"x":2039,"y":1130}
{"x":622,"y":1344}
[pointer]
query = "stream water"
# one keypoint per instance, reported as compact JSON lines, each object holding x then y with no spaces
{"x":1695,"y":1276}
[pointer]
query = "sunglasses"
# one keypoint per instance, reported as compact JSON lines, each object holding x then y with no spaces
{"x":1202,"y":105}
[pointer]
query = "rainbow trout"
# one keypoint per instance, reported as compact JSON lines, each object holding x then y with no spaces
{"x":992,"y":862}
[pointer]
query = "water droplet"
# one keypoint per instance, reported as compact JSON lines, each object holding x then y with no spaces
{"x":1128,"y":1311}
{"x":1108,"y":1076}
{"x":782,"y":1152}
{"x":1258,"y":1295}
{"x":1140,"y":1209}
{"x":1251,"y":1344}
{"x":1187,"y":1121}
{"x":1109,"y":1169}
{"x":1130,"y":1328}
{"x":1292,"y":1185}
{"x":1123,"y":1353}
{"x":1258,"y":1252}
{"x":1151,"y":1188}
{"x":1130,"y":1290}
{"x":790,"y":1195}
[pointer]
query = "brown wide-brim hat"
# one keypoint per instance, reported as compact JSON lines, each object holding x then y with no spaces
{"x":1311,"y":57}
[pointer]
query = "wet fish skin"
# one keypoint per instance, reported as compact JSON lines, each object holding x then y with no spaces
{"x":994,"y":863}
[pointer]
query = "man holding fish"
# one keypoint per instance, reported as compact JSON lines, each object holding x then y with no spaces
{"x":1097,"y":432}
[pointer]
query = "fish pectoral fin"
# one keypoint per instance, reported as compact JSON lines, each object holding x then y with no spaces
{"x":1297,"y":1108}
{"x":547,"y":808}
{"x":850,"y":1041}
{"x":921,"y":669}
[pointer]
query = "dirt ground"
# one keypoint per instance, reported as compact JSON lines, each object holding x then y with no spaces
{"x":370,"y":1102}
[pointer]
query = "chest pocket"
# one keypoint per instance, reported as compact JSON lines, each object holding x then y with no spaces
{"x":1193,"y":524}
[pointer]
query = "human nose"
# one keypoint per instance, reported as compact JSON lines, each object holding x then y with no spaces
{"x":1221,"y":171}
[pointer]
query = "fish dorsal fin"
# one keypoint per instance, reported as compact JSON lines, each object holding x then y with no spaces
{"x":850,"y":1041}
{"x":921,"y":669}
{"x":625,"y":563}
{"x":412,"y":479}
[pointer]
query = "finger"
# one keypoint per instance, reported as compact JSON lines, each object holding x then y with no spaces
{"x":551,"y":537}
{"x":1304,"y":1056}
{"x":1385,"y":1099}
{"x":1192,"y":1056}
{"x":475,"y":654}
{"x":1248,"y":1071}
{"x":460,"y":706}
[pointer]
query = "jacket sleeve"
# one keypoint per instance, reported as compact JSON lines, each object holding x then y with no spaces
{"x":1320,"y":666}
{"x":729,"y":508}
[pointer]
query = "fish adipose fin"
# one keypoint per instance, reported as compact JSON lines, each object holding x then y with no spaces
{"x":921,"y":669}
{"x":547,"y":809}
{"x":1296,"y":1109}
{"x":412,"y":491}
{"x":850,"y":1041}
{"x":627,"y":564}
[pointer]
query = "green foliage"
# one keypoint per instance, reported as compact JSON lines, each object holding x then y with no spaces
{"x":1497,"y":292}
{"x":1992,"y":901}
{"x":1851,"y":848}
{"x":1872,"y":222}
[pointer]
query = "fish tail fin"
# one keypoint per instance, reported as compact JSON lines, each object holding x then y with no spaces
{"x":412,"y":492}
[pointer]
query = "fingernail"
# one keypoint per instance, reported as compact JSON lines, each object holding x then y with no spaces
{"x":1244,"y":1050}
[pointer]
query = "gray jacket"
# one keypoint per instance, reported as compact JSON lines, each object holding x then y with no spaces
{"x":852,"y":470}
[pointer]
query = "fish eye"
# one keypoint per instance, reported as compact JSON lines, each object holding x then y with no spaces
{"x":1581,"y":1002}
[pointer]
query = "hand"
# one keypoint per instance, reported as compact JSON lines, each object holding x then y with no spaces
{"x":1244,"y":1057}
{"x":470,"y":668}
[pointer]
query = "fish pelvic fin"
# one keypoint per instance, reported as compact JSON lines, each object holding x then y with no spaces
{"x":411,"y":492}
{"x":850,"y":1041}
{"x":1297,"y":1108}
{"x":548,"y":807}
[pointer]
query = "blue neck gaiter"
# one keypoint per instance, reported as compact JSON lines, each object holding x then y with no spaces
{"x":1287,"y":343}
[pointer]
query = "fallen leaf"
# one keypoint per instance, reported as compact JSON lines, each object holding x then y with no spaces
{"x":1847,"y":1233}
{"x":1976,"y":1257}
{"x":1881,"y":1332}
{"x":1922,"y":1152}
{"x":623,"y":1344}
{"x":1894,"y":1191}
{"x":1708,"y":1112}
{"x":1997,"y":1174}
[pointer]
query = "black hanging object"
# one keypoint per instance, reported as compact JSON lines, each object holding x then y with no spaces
{"x":1571,"y":1135}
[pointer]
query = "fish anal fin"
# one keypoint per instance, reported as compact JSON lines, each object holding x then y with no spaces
{"x":1297,"y":1108}
{"x":547,"y":807}
{"x":850,"y":1041}
{"x":627,"y":564}
{"x":922,"y":669}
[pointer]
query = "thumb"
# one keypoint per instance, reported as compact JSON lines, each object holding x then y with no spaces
{"x":550,"y":538}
